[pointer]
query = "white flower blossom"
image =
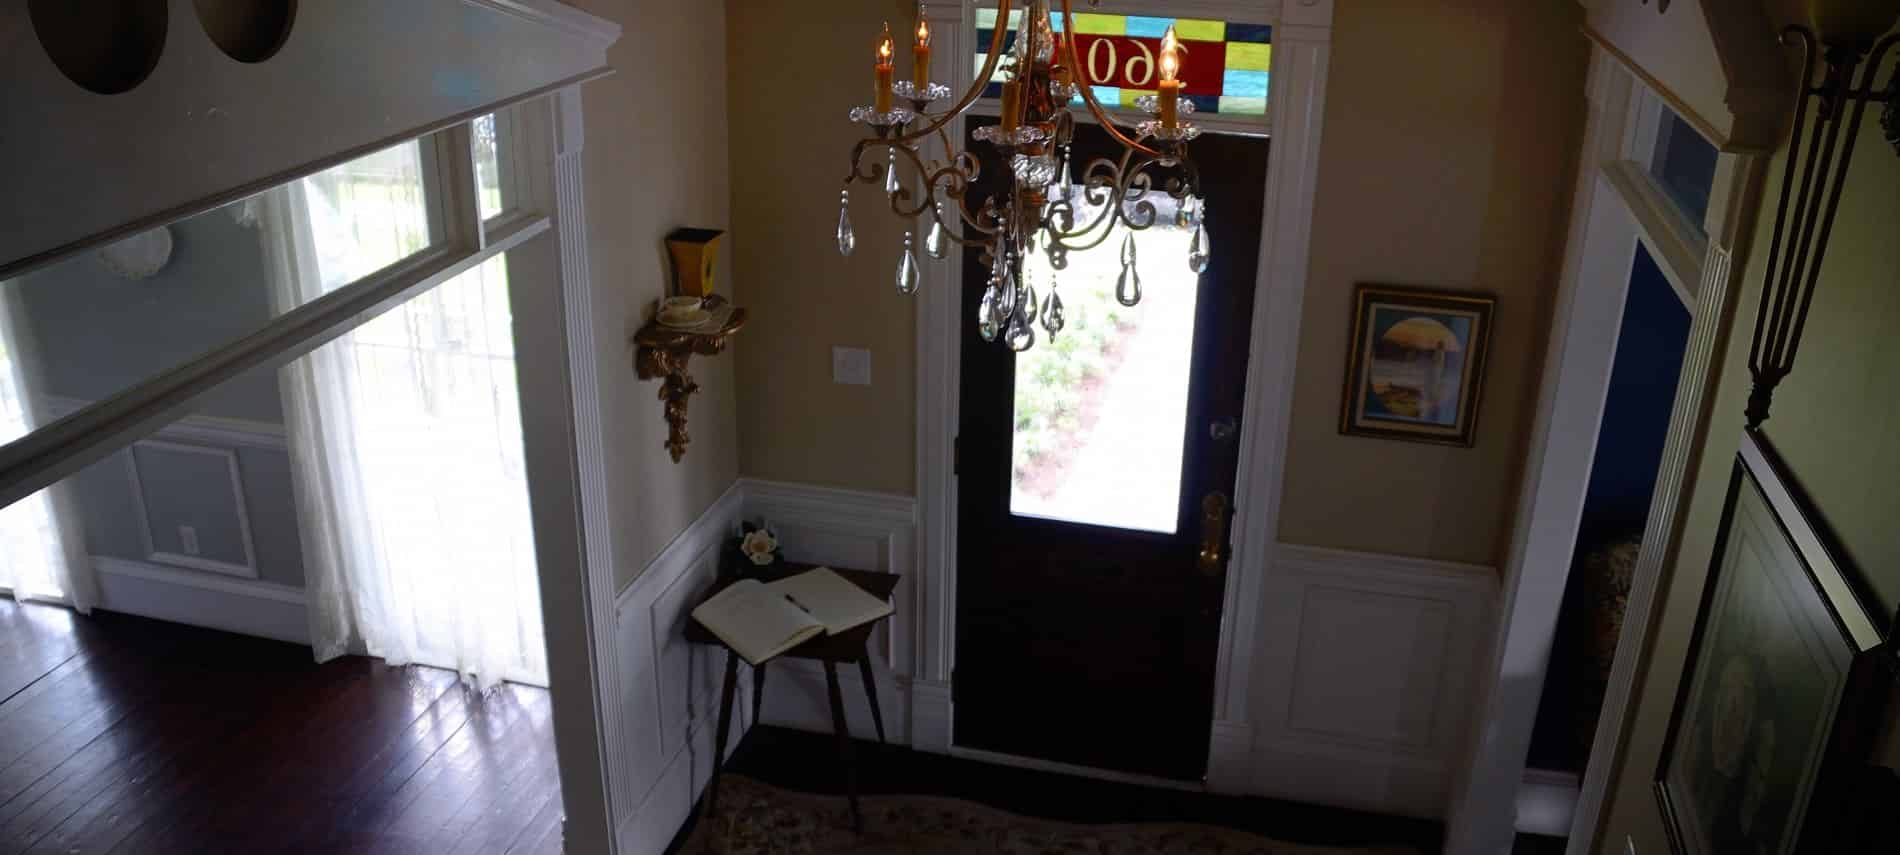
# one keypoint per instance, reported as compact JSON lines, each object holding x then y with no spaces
{"x":759,"y":546}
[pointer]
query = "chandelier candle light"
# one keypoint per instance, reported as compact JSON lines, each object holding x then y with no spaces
{"x":1042,"y":76}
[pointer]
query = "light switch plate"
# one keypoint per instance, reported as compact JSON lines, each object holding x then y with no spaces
{"x":851,"y":366}
{"x":188,"y":539}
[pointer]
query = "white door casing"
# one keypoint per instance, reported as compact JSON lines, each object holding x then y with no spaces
{"x":1617,"y":204}
{"x":1301,"y":53}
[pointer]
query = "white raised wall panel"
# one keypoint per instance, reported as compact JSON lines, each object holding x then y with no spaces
{"x":227,"y":461}
{"x":862,"y":531}
{"x":669,"y":689}
{"x":1365,"y":676}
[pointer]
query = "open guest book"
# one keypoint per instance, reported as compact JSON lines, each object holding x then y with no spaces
{"x":760,"y":620}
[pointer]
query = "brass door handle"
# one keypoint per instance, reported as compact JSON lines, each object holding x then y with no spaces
{"x":1214,"y":508}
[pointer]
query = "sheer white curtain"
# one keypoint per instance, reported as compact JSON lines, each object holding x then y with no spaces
{"x":42,"y":550}
{"x":405,"y":439}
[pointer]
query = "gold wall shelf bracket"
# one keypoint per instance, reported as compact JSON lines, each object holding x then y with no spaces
{"x":662,"y":352}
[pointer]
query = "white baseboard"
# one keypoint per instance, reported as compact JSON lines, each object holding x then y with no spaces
{"x":243,"y":606}
{"x":1547,"y":802}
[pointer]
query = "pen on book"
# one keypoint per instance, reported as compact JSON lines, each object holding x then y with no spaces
{"x":801,"y":606}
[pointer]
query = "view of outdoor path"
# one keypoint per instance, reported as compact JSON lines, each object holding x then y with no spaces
{"x":1101,"y":444}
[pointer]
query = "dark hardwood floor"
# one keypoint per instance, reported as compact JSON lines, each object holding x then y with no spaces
{"x":120,"y":734}
{"x":808,"y":762}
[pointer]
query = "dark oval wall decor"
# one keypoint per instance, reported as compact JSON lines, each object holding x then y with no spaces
{"x":247,"y":30}
{"x":105,"y":46}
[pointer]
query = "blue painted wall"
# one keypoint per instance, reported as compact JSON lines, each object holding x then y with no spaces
{"x":1649,"y":351}
{"x":1636,"y":416}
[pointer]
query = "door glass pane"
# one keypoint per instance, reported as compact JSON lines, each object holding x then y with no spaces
{"x":1100,"y":410}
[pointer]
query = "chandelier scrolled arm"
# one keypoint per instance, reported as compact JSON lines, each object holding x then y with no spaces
{"x":1043,"y":77}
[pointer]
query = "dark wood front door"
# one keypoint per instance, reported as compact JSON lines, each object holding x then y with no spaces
{"x":1087,"y":626}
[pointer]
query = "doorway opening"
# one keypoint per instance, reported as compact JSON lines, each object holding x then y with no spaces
{"x":1629,"y":450}
{"x":1637,"y":339}
{"x":1093,"y":471}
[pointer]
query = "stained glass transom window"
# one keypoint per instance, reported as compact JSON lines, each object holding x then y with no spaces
{"x":1225,"y":70}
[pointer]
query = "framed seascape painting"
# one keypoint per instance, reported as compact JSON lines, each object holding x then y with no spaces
{"x":1416,"y":369}
{"x":1770,"y":747}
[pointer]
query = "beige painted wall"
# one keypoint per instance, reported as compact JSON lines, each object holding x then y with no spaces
{"x":656,"y":161}
{"x":795,"y":73}
{"x":1451,"y":131}
{"x":1835,"y":421}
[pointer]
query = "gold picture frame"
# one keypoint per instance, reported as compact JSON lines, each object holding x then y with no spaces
{"x":1415,"y":371}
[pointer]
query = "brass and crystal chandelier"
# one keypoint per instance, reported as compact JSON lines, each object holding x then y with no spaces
{"x":1043,"y":210}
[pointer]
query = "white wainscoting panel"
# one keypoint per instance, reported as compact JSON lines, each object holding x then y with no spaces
{"x":670,"y":689}
{"x":226,"y":461}
{"x":1364,"y":674}
{"x":861,"y":531}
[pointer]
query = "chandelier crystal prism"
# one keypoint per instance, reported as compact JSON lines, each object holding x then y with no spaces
{"x":1042,"y":76}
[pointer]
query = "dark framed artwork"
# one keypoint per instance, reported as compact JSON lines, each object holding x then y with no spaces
{"x":1416,"y":368}
{"x":1770,"y":745}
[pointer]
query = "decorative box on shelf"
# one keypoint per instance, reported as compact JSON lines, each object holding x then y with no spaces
{"x":663,"y":348}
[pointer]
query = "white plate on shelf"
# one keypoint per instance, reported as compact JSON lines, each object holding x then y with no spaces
{"x":685,"y":320}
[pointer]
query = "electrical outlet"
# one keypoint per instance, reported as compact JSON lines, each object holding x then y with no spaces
{"x":188,"y":539}
{"x":851,"y":366}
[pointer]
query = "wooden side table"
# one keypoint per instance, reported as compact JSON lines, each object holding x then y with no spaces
{"x":850,"y":646}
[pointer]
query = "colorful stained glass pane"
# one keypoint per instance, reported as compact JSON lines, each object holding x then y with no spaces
{"x":1194,"y":30}
{"x":1225,"y":72}
{"x":1253,"y":33}
{"x":1249,"y":56}
{"x":1091,"y":23}
{"x":1141,"y":25}
{"x":1244,"y":84}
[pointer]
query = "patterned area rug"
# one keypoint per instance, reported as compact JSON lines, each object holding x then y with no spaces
{"x":757,"y":819}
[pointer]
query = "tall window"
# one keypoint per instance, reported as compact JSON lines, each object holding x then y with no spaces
{"x":406,"y":432}
{"x":40,"y":553}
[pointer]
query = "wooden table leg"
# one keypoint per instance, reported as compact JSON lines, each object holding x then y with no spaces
{"x":758,"y":690}
{"x":719,"y":736}
{"x":844,"y":743}
{"x":870,"y":691}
